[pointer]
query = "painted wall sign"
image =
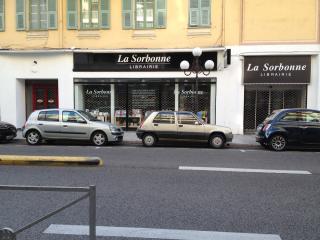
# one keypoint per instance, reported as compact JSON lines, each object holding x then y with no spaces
{"x":277,"y":69}
{"x":165,"y":61}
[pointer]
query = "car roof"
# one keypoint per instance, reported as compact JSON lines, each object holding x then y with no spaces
{"x":296,"y":109}
{"x":55,"y":109}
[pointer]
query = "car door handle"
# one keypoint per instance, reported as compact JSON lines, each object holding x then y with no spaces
{"x":40,"y":124}
{"x":65,"y":126}
{"x":180,"y":125}
{"x":156,"y":124}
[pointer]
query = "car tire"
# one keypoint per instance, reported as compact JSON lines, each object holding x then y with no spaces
{"x":33,"y":137}
{"x":99,"y":138}
{"x":277,"y":142}
{"x":149,"y":140}
{"x":217,"y":140}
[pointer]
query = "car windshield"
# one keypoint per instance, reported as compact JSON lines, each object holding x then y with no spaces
{"x":200,"y":120}
{"x":88,"y":116}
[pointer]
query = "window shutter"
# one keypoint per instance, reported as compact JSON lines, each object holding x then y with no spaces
{"x":161,"y":13}
{"x":20,"y":18}
{"x":52,"y":14}
{"x":205,"y":18}
{"x":2,"y":15}
{"x":72,"y":14}
{"x":105,"y":13}
{"x":127,"y":14}
{"x":194,"y":13}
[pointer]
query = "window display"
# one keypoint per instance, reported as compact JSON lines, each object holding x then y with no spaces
{"x":95,"y":99}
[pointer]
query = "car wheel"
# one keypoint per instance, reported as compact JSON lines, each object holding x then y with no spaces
{"x":217,"y":141}
{"x":33,"y":137}
{"x":99,"y":138}
{"x":149,"y":140}
{"x":278,"y":143}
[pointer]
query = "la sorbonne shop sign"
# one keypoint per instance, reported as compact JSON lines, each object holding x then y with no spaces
{"x":157,"y":61}
{"x":277,"y":69}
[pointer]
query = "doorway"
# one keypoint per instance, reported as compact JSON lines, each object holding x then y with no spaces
{"x":44,"y":96}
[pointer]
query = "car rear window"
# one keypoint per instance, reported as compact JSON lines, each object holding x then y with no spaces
{"x":51,"y":116}
{"x":270,"y":117}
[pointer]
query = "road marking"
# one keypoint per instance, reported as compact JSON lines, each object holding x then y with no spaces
{"x":153,"y":233}
{"x":243,"y":151}
{"x":244,"y":170}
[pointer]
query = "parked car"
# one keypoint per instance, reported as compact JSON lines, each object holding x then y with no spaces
{"x":181,"y":125}
{"x":53,"y":124}
{"x":285,"y":127}
{"x":7,"y":131}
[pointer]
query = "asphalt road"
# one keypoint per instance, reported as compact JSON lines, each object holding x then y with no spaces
{"x":143,"y":187}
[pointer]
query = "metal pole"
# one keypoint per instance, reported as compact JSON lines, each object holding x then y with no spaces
{"x":197,"y":87}
{"x":92,"y":212}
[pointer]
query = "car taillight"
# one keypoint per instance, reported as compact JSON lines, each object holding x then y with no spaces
{"x":266,"y":127}
{"x":141,"y":125}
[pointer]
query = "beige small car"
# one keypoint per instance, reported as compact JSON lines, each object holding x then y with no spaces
{"x":181,"y":125}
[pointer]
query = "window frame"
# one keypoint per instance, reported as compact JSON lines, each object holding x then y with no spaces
{"x":145,"y":15}
{"x":190,"y":114}
{"x":2,"y":16}
{"x":39,"y":16}
{"x":75,"y":113}
{"x":45,"y":116}
{"x":91,"y":27}
{"x":199,"y":10}
{"x":164,"y":113}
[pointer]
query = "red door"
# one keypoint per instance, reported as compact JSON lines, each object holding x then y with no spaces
{"x":44,"y":96}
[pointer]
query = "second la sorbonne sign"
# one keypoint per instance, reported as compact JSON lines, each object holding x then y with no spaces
{"x":277,"y":69}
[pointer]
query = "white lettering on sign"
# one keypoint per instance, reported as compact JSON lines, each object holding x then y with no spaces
{"x":135,"y":58}
{"x":97,"y":92}
{"x":267,"y":67}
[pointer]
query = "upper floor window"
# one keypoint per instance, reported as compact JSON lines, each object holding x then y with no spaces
{"x":144,"y":14}
{"x":1,"y":15}
{"x":42,"y":14}
{"x":91,"y":14}
{"x":199,"y":13}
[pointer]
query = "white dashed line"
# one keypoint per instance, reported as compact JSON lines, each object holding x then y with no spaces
{"x":244,"y":170}
{"x":155,"y":233}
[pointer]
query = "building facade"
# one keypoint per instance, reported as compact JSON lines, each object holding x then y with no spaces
{"x":120,"y":59}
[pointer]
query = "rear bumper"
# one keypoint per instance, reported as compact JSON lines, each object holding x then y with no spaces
{"x":139,"y":133}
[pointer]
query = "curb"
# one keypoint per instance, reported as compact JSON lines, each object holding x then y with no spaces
{"x":49,"y":160}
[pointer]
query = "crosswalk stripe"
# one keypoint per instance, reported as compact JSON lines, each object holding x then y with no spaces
{"x":153,"y":233}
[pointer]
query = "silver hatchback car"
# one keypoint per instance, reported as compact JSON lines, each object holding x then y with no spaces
{"x":54,"y":124}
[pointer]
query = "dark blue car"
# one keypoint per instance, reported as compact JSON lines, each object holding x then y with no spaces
{"x":290,"y":127}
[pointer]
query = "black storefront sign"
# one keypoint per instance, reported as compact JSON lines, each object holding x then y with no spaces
{"x":145,"y":62}
{"x":277,"y":69}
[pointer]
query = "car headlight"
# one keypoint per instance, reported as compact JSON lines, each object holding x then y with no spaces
{"x":113,"y":128}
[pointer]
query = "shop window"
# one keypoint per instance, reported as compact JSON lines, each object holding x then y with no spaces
{"x":95,"y":99}
{"x":42,"y":14}
{"x":93,"y":14}
{"x":199,"y":13}
{"x":187,"y":98}
{"x":144,"y":14}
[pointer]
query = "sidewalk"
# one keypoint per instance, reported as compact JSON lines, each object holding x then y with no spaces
{"x":238,"y":139}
